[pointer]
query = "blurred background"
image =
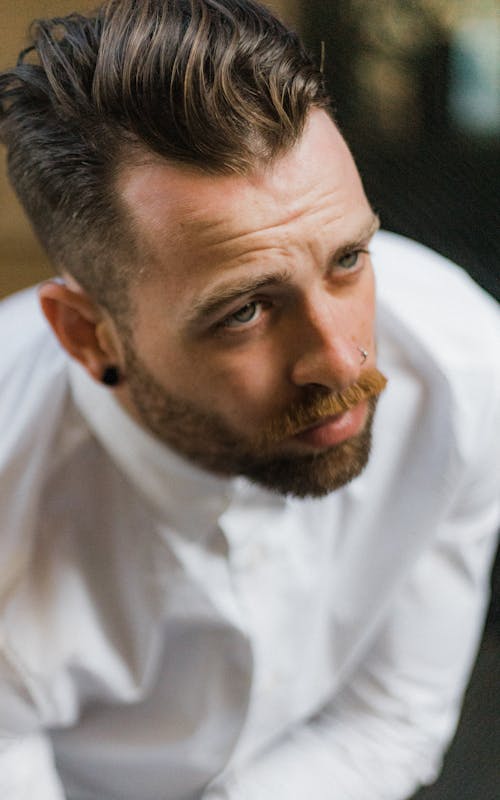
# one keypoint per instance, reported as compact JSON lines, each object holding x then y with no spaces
{"x":416,"y":91}
{"x":416,"y":88}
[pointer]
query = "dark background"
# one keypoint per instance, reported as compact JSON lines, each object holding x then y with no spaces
{"x":414,"y":99}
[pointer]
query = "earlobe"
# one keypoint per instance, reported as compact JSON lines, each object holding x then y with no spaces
{"x":111,"y":376}
{"x":76,"y":321}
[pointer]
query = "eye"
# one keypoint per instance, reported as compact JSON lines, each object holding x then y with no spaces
{"x":350,"y":260}
{"x":247,"y":313}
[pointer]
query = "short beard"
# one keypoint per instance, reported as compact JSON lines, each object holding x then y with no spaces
{"x":316,"y":474}
{"x":208,"y":442}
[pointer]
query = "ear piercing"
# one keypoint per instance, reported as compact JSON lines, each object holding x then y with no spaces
{"x":111,"y":376}
{"x":364,"y":354}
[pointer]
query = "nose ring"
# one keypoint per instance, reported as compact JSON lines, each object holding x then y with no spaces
{"x":364,"y":354}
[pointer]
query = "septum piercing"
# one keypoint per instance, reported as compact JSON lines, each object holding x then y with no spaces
{"x":364,"y":354}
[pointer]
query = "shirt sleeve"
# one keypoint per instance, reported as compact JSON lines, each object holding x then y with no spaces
{"x":384,"y":735}
{"x":27,"y":770}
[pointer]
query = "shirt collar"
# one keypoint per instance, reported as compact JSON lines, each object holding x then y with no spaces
{"x":188,"y":498}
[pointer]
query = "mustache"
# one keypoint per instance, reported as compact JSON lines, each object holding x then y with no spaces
{"x":303,"y":415}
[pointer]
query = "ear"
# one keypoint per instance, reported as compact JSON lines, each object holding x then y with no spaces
{"x":83,"y":329}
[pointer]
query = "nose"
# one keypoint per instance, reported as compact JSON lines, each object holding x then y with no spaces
{"x":326,"y":351}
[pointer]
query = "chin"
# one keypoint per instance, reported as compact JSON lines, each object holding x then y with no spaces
{"x":314,"y":475}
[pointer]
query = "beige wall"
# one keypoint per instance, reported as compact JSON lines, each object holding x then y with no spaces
{"x":22,"y":261}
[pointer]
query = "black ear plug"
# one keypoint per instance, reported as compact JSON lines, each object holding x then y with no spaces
{"x":111,"y":376}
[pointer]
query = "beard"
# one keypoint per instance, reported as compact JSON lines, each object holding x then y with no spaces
{"x":209,"y":442}
{"x":315,"y":474}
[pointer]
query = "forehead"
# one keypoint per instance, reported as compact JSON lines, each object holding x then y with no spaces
{"x":180,"y":213}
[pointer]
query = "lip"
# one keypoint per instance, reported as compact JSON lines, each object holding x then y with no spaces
{"x":335,"y":430}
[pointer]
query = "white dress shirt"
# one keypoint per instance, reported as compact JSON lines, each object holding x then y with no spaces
{"x":169,"y":635}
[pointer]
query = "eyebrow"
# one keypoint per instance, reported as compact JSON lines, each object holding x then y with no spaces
{"x":222,"y":296}
{"x":366,"y":233}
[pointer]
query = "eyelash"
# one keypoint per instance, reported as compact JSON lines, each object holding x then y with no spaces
{"x":357,"y":253}
{"x":225,"y":324}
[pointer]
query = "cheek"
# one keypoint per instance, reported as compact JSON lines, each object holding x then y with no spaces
{"x":242,"y":385}
{"x":246,"y":385}
{"x":366,"y":337}
{"x":253,"y":377}
{"x":365,"y":306}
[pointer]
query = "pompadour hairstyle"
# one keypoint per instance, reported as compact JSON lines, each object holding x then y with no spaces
{"x":221,"y":85}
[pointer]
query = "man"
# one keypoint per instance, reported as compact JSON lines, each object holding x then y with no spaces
{"x":224,"y":573}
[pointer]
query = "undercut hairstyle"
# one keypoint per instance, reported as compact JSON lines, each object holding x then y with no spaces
{"x":220,"y":85}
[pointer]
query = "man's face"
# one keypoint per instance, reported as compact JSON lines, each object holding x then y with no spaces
{"x":247,"y":322}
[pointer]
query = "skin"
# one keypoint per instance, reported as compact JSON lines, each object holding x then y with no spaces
{"x":255,"y":294}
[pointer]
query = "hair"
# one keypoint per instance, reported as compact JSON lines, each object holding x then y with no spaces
{"x":220,"y":85}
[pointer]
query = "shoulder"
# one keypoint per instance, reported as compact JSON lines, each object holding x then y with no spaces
{"x":33,"y":373}
{"x":437,"y":299}
{"x":24,"y":334}
{"x":20,"y":310}
{"x":436,"y":306}
{"x":448,"y":328}
{"x":33,"y":398}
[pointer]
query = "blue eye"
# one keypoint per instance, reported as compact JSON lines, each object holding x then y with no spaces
{"x":350,"y":260}
{"x":247,"y":313}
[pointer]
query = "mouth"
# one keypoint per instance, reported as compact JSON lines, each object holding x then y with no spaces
{"x":333,"y":430}
{"x":327,"y":419}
